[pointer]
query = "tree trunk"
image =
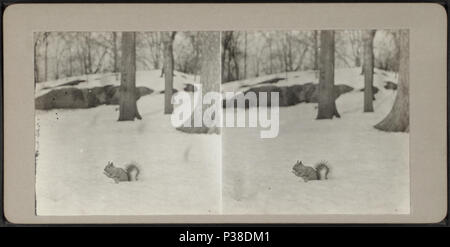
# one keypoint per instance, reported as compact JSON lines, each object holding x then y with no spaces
{"x":209,"y":77}
{"x":197,"y":55}
{"x":395,"y":66}
{"x":357,"y":61}
{"x":230,"y":76}
{"x":327,"y":105}
{"x":46,"y":56}
{"x":81,"y":56}
{"x":168,"y":72}
{"x":363,"y":65}
{"x":36,"y":66}
{"x":70,"y":65}
{"x":316,"y":50}
{"x":57,"y":69}
{"x":128,"y":108}
{"x":285,"y":58}
{"x":368,"y":73}
{"x":222,"y":63}
{"x":115,"y":54}
{"x":270,"y":57}
{"x":245,"y":55}
{"x":398,"y":118}
{"x":290,"y":59}
{"x":257,"y":68}
{"x":89,"y":53}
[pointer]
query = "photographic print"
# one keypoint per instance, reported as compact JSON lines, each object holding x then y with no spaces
{"x":222,"y":122}
{"x":105,"y":144}
{"x":339,"y":143}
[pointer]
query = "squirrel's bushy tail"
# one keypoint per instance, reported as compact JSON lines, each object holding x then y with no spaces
{"x":322,"y":169}
{"x":133,"y":171}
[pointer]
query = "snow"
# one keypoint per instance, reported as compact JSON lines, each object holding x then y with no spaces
{"x":184,"y":173}
{"x":177,"y":175}
{"x":369,"y":168}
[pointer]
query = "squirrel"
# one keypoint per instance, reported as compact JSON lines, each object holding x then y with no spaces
{"x":320,"y":172}
{"x":130,"y":173}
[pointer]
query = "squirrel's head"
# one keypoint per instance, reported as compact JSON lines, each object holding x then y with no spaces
{"x":297,"y":167}
{"x":109,"y":166}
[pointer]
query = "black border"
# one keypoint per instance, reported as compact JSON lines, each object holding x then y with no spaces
{"x":279,"y":232}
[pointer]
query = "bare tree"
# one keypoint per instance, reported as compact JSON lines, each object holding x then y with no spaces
{"x":245,"y":55}
{"x":316,"y":50}
{"x":115,"y":53}
{"x":168,"y":38}
{"x":128,"y":108}
{"x":269,"y":41}
{"x":37,"y":39}
{"x":289,"y":56}
{"x":209,"y":79}
{"x":88,"y":54}
{"x":230,"y":53}
{"x":368,"y":73}
{"x":398,"y":118}
{"x":196,"y":47}
{"x":327,"y":104}
{"x":45,"y":39}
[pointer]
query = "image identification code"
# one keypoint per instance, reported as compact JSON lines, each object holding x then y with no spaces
{"x":208,"y":238}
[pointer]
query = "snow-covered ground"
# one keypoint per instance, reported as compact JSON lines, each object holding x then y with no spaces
{"x":369,"y":168}
{"x":184,"y":173}
{"x":177,"y":175}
